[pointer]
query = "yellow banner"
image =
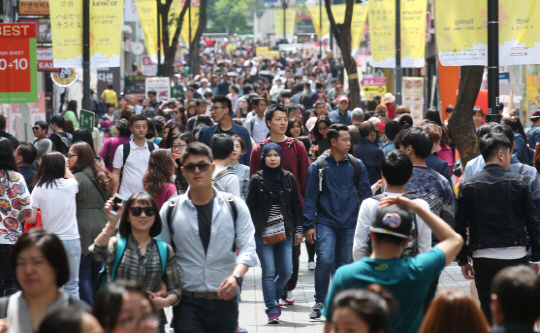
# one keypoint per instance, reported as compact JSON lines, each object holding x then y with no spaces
{"x":382,"y":30}
{"x":261,"y":50}
{"x":184,"y":33}
{"x":519,"y":29}
{"x":105,"y":33}
{"x":148,"y":19}
{"x":461,"y":35}
{"x":67,"y":31}
{"x":413,"y":33}
{"x":533,"y":89}
{"x":289,"y":22}
{"x":357,"y":25}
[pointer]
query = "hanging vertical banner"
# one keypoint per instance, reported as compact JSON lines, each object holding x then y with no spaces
{"x":519,"y":28}
{"x":533,"y":89}
{"x":184,"y":33}
{"x":148,"y":19}
{"x":461,"y":34}
{"x":67,"y":31}
{"x":413,"y":33}
{"x":358,"y":23}
{"x":317,"y":14}
{"x":382,"y":30}
{"x":106,"y":33}
{"x":290,"y":22}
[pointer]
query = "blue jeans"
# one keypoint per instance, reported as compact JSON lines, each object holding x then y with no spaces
{"x":334,"y":249}
{"x":273,"y":284}
{"x":195,"y":315}
{"x":73,"y":251}
{"x":88,"y":277}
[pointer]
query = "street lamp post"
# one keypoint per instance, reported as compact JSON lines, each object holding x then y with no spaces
{"x":86,"y":102}
{"x":493,"y":62}
{"x":320,"y":29}
{"x":398,"y":77}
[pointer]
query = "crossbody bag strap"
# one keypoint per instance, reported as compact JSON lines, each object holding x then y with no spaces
{"x":96,"y":186}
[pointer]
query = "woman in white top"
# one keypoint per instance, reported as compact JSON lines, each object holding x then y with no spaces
{"x":55,"y":195}
{"x":276,"y":89}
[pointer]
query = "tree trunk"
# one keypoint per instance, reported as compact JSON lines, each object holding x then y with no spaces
{"x":194,"y":46}
{"x":342,"y":32}
{"x":460,"y":124}
{"x":169,"y":48}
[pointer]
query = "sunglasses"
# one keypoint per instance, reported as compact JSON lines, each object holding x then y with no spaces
{"x":137,"y":210}
{"x":190,"y":168}
{"x":35,"y":128}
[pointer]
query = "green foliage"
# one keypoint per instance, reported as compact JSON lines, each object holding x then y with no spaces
{"x":229,"y":14}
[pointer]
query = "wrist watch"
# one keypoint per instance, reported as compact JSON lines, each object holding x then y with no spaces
{"x":239,"y":279}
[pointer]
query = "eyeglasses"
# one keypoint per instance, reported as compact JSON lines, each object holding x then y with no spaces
{"x":190,"y":168}
{"x":71,"y":155}
{"x":133,"y":323}
{"x":35,"y":128}
{"x":178,"y":147}
{"x":137,"y":210}
{"x":214,"y":109}
{"x":323,"y":128}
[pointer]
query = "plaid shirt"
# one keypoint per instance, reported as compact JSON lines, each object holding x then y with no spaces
{"x":144,"y":269}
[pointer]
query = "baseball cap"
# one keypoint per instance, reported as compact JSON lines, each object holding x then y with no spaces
{"x":535,"y":113}
{"x":343,"y":98}
{"x":393,"y":220}
{"x":374,"y":120}
{"x":381,"y":124}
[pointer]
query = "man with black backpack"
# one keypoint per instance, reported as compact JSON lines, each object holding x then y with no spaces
{"x":337,"y":183}
{"x":60,"y":139}
{"x":131,"y":158}
{"x":396,"y":171}
{"x":223,"y":179}
{"x":205,"y":227}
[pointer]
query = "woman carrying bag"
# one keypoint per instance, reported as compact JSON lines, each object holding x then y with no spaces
{"x":274,"y":202}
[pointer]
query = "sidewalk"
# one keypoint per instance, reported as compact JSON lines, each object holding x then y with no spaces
{"x":294,"y":318}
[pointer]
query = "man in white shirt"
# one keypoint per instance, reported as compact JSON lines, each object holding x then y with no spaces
{"x":132,"y":168}
{"x":204,"y":87}
{"x":224,"y":180}
{"x":396,"y":170}
{"x":205,"y":228}
{"x":256,"y":125}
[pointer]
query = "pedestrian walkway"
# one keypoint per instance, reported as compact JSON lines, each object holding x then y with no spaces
{"x":294,"y":318}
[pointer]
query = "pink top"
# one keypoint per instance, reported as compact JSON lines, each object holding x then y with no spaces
{"x":110,"y":148}
{"x":165,"y":193}
{"x":445,"y":154}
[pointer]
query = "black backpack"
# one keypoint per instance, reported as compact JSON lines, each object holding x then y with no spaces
{"x":321,"y":169}
{"x":412,"y":248}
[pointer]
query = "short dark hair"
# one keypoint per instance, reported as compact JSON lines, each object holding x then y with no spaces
{"x":392,"y":129}
{"x":42,"y":124}
{"x":306,"y":141}
{"x":366,"y":128}
{"x":223,"y":101}
{"x":124,"y":228}
{"x":491,"y":143}
{"x":318,"y":85}
{"x":396,"y":168}
{"x":110,"y":86}
{"x":63,"y":320}
{"x":503,"y":129}
{"x":2,"y":122}
{"x":28,"y":152}
{"x":138,"y":117}
{"x":486,"y":128}
{"x":419,"y":140}
{"x":51,"y":247}
{"x":269,"y":114}
{"x":518,"y":291}
{"x":152,"y":92}
{"x":123,"y":127}
{"x":257,"y":100}
{"x":58,"y":121}
{"x":222,"y":146}
{"x":197,"y":148}
{"x":111,"y":105}
{"x":333,"y":131}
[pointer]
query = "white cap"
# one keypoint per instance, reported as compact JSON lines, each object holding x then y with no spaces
{"x":374,"y":120}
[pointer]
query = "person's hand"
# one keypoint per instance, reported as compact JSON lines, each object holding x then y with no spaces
{"x":3,"y":325}
{"x":176,"y":156}
{"x":310,"y":236}
{"x":405,"y":203}
{"x":162,"y":292}
{"x":467,"y":271}
{"x":160,"y":302}
{"x":298,"y":239}
{"x":380,"y":183}
{"x":228,"y":288}
{"x":536,"y":267}
{"x":113,"y":219}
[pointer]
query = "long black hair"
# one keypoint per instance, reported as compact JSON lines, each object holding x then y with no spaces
{"x":52,"y":167}
{"x":84,"y":135}
{"x":7,"y":161}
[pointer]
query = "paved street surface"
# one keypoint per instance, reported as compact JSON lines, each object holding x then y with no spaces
{"x":294,"y":318}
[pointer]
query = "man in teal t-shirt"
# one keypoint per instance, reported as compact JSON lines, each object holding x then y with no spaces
{"x":407,"y":280}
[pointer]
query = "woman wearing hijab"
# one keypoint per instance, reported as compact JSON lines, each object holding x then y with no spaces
{"x":274,"y":202}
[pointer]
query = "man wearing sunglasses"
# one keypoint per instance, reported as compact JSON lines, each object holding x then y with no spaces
{"x":204,"y":233}
{"x":42,"y":142}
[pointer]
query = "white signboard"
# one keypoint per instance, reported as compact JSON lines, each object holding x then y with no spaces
{"x":162,"y":86}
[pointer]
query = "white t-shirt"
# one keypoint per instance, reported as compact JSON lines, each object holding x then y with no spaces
{"x":228,"y":183}
{"x":260,"y":129}
{"x":365,"y":219}
{"x":58,"y":207}
{"x":136,"y":166}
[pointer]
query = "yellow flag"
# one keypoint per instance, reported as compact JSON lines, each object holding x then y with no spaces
{"x":519,"y":28}
{"x":67,"y":31}
{"x":289,"y":22}
{"x":317,"y":14}
{"x":105,"y":33}
{"x":413,"y":33}
{"x":148,"y":19}
{"x":184,"y":33}
{"x":382,"y":29}
{"x":358,"y":24}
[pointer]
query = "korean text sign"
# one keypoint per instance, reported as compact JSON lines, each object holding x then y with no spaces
{"x":18,"y":64}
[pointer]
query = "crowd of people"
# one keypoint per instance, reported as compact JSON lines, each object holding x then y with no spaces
{"x":169,"y":203}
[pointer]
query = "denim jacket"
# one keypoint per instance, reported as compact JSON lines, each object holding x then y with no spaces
{"x":496,"y":206}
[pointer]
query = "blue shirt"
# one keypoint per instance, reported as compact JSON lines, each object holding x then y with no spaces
{"x":388,"y":147}
{"x":440,"y":166}
{"x":407,"y":281}
{"x":341,"y":118}
{"x":242,"y":132}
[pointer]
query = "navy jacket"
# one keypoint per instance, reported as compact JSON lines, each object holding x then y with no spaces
{"x":371,"y":156}
{"x":338,"y":204}
{"x":496,"y":206}
{"x":242,"y":132}
{"x":440,"y":166}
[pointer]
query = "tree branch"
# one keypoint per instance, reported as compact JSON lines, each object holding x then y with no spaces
{"x":349,"y":13}
{"x":328,"y":6}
